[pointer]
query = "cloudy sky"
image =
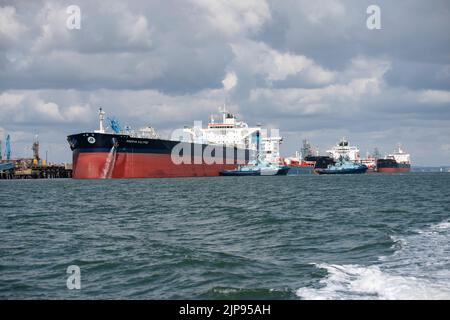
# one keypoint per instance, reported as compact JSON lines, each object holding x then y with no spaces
{"x":310,"y":68}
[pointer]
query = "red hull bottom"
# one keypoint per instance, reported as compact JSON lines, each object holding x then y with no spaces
{"x":93,"y":165}
{"x":393,"y":170}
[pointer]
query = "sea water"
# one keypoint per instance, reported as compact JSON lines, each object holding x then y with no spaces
{"x":373,"y":236}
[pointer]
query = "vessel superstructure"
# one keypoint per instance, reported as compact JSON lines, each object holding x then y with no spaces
{"x":344,"y":149}
{"x":236,"y":133}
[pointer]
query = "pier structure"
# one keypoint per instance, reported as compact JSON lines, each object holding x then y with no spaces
{"x":16,"y":170}
{"x":31,"y":168}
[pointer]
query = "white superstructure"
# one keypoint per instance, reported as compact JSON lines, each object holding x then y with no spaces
{"x":400,"y":156}
{"x":145,"y":132}
{"x":271,"y":149}
{"x":229,"y":132}
{"x":232,"y":132}
{"x":343,"y":149}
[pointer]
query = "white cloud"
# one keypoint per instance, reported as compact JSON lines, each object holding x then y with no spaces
{"x":77,"y":113}
{"x":232,"y":17}
{"x":10,"y":100}
{"x":318,"y":75}
{"x":320,"y":11}
{"x":134,"y":29}
{"x":132,"y":107}
{"x":357,"y":85}
{"x":259,"y":58}
{"x":49,"y":110}
{"x":120,"y":29}
{"x":151,"y":107}
{"x":30,"y":106}
{"x":230,"y":81}
{"x":10,"y":27}
{"x":53,"y":31}
{"x":366,"y":67}
{"x":434,"y":97}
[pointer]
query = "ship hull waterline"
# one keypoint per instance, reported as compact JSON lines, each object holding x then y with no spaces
{"x":257,"y":172}
{"x":342,"y":171}
{"x":393,"y":170}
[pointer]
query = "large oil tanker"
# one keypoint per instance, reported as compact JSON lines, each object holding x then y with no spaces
{"x":143,"y":154}
{"x":399,"y":161}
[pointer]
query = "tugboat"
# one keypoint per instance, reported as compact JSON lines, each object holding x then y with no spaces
{"x":257,"y":169}
{"x":343,"y":166}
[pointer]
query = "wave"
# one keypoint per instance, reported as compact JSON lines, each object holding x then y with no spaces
{"x":419,"y":269}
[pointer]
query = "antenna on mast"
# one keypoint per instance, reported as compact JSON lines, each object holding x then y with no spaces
{"x":224,"y":112}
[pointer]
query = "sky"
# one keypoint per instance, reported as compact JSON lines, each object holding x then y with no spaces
{"x":312,"y":69}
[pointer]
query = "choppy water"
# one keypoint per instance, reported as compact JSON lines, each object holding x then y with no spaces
{"x":311,"y":237}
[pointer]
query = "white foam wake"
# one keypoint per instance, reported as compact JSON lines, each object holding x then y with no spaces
{"x":419,"y":269}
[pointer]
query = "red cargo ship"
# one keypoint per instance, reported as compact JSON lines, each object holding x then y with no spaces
{"x":143,"y":154}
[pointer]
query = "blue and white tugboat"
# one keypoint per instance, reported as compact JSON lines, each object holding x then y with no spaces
{"x":258,"y":167}
{"x":343,"y":166}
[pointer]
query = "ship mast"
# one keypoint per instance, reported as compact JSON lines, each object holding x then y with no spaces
{"x":399,"y":148}
{"x":224,"y":112}
{"x":101,"y":117}
{"x":257,"y":147}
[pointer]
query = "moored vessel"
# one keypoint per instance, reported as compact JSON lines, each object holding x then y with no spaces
{"x":298,"y":164}
{"x":399,"y":161}
{"x":371,"y":160}
{"x":143,"y":154}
